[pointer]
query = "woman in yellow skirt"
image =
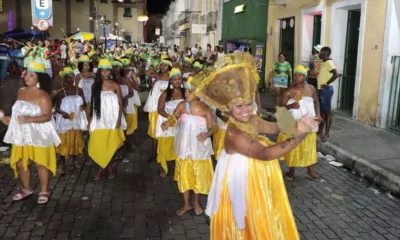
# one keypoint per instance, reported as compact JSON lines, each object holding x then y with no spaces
{"x":151,"y":106}
{"x":71,"y":119}
{"x":134,"y":100}
{"x":85,"y":80}
{"x":194,"y":169}
{"x":169,"y":99}
{"x":129,"y":109}
{"x":301,"y":99}
{"x":248,"y":199}
{"x":32,"y":133}
{"x":108,"y":123}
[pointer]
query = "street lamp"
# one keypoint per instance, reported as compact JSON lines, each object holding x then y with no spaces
{"x":142,"y":18}
{"x":78,"y":29}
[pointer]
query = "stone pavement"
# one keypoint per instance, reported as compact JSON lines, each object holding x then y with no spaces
{"x":371,"y":152}
{"x":138,"y":204}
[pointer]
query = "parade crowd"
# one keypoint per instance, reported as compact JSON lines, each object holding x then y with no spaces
{"x":202,"y":106}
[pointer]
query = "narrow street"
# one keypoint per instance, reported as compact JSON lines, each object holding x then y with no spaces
{"x":139,"y":204}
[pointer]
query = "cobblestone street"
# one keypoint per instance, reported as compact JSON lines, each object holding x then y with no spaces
{"x":138,"y":204}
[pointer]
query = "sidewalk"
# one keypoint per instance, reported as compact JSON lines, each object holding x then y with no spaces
{"x":372,"y":152}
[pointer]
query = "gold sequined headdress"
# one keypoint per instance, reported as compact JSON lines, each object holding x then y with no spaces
{"x":231,"y":80}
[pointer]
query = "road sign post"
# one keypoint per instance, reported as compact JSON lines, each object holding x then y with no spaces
{"x":42,"y":10}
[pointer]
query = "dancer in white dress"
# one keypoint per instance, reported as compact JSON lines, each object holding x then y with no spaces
{"x":32,"y":133}
{"x":194,"y":169}
{"x":169,"y":99}
{"x":129,"y":109}
{"x":71,"y":119}
{"x":85,"y":80}
{"x":108,"y":123}
{"x":134,"y":100}
{"x":151,"y":105}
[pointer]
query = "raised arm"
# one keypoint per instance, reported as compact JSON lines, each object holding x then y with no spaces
{"x":237,"y":141}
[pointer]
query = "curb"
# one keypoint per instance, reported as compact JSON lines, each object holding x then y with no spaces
{"x":372,"y":172}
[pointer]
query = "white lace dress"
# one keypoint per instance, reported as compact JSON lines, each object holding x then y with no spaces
{"x":186,"y":143}
{"x":109,"y":113}
{"x":136,"y":97}
{"x":71,"y":104}
{"x":30,"y":134}
{"x":170,"y":107}
{"x":86,"y":85}
{"x":130,"y":108}
{"x":152,"y":101}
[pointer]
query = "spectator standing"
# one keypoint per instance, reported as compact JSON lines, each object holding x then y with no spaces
{"x":327,"y":75}
{"x":4,"y":54}
{"x":195,"y":50}
{"x":63,"y":49}
{"x":47,"y":55}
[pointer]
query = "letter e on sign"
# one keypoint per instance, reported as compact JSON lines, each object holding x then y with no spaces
{"x":42,"y":4}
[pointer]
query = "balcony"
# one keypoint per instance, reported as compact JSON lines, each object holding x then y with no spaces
{"x":203,"y":19}
{"x":211,"y":21}
{"x":185,"y":16}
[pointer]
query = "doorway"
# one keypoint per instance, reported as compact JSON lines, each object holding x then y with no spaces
{"x":316,"y":40}
{"x":287,"y":39}
{"x":350,"y":61}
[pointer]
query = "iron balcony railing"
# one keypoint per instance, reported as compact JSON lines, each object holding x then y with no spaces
{"x":211,"y":20}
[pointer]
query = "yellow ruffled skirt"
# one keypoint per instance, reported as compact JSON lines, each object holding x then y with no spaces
{"x":195,"y":175}
{"x":165,"y":151}
{"x":152,"y":124}
{"x":218,"y":141}
{"x":71,"y":143}
{"x":304,"y":155}
{"x":103,"y":144}
{"x":131,"y":122}
{"x":269,"y":215}
{"x":45,"y":156}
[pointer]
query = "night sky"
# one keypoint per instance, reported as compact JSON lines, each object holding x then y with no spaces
{"x":158,"y":6}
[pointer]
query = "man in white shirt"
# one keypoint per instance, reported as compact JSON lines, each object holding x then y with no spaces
{"x":195,"y":51}
{"x":221,"y":53}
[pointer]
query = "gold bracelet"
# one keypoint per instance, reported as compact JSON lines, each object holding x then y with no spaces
{"x":171,"y":120}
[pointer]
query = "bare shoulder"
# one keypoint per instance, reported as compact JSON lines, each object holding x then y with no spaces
{"x":21,"y":91}
{"x":181,"y":105}
{"x":234,"y":138}
{"x":311,"y":88}
{"x":44,"y":96}
{"x":163,"y":94}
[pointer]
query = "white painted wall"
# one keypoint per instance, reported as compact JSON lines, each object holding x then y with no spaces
{"x":307,"y":27}
{"x":391,"y":48}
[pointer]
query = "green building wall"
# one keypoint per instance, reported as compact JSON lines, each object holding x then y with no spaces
{"x":248,"y":25}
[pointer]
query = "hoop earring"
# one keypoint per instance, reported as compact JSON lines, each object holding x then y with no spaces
{"x":171,"y":87}
{"x":38,"y":84}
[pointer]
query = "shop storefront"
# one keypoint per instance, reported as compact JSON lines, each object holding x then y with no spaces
{"x":245,"y":28}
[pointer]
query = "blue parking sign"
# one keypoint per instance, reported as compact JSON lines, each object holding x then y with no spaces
{"x":42,"y":9}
